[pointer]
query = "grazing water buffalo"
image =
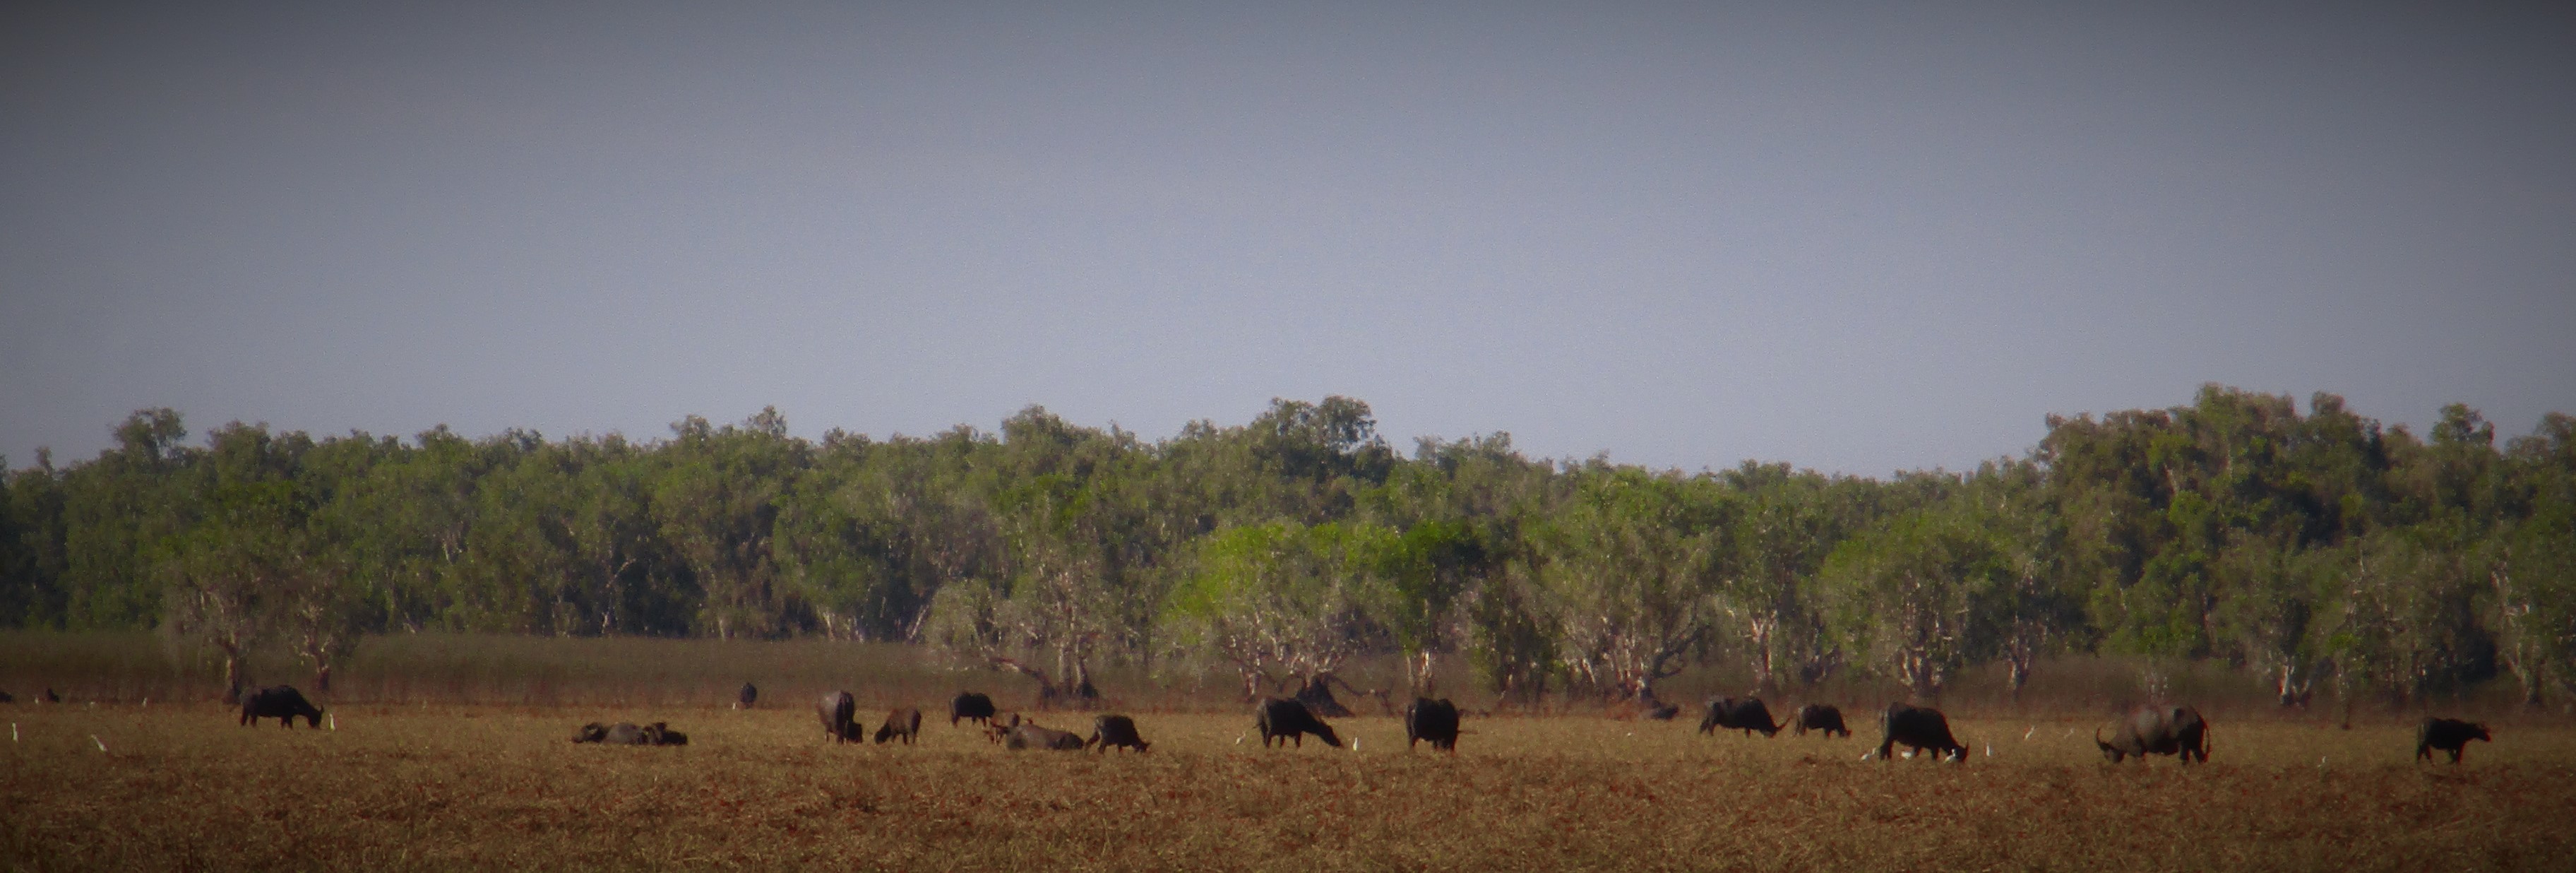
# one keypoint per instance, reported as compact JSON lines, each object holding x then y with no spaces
{"x":1920,"y":727}
{"x":1285,"y":720}
{"x":904,"y":723}
{"x":839,"y":712}
{"x":1433,"y":720}
{"x":2171,"y":731}
{"x":970,"y":706}
{"x":1114,"y":730}
{"x":1820,"y":717}
{"x":6,"y":698}
{"x":1028,"y":735}
{"x":2449,"y":735}
{"x":280,"y":702}
{"x":743,"y":699}
{"x":1744,"y":713}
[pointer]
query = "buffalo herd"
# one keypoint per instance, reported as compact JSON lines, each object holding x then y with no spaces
{"x":2175,"y":730}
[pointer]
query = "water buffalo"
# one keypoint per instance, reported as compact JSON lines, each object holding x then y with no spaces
{"x":743,"y":699}
{"x":904,"y":723}
{"x":2170,"y":731}
{"x":1114,"y":730}
{"x":1820,"y":717}
{"x":1283,"y":720}
{"x":661,"y":734}
{"x":1739,"y":713}
{"x":2449,"y":735}
{"x":620,"y":734}
{"x":1920,"y":727}
{"x":970,"y":706}
{"x":1433,"y":720}
{"x":997,"y":728}
{"x":839,"y":712}
{"x":1028,"y":735}
{"x":629,"y":734}
{"x":280,"y":702}
{"x":5,"y":697}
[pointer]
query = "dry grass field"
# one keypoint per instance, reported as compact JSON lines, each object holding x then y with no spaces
{"x":395,"y":787}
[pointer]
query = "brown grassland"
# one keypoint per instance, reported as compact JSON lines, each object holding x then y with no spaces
{"x":431,"y":785}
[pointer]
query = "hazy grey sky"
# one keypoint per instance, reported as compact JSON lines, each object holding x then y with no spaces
{"x":1855,"y":237}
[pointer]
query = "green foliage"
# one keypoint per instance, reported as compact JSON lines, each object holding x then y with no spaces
{"x":2236,"y":529}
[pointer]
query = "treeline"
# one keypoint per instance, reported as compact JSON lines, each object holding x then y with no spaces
{"x":2304,"y":548}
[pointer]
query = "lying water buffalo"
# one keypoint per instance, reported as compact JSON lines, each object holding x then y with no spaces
{"x":743,"y":699}
{"x":280,"y":702}
{"x":2169,"y":731}
{"x":999,"y":728}
{"x":661,"y":734}
{"x":1028,"y":735}
{"x":1114,"y":730}
{"x":1820,"y":717}
{"x":1920,"y":727}
{"x":839,"y":712}
{"x":970,"y":706}
{"x":1433,"y":720}
{"x":904,"y":723}
{"x":1283,"y":720}
{"x":2449,"y":735}
{"x":1739,"y":713}
{"x":629,"y":734}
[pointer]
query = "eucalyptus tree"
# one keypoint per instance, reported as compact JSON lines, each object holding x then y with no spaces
{"x":1281,"y":603}
{"x":1916,"y":593}
{"x":227,"y":574}
{"x":31,"y":544}
{"x":118,"y":511}
{"x":716,"y":498}
{"x":1629,"y":574}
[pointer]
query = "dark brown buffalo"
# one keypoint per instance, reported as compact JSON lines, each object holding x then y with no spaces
{"x":5,"y":697}
{"x":743,"y":699}
{"x":839,"y":712}
{"x":1028,"y":735}
{"x":1114,"y":730}
{"x":629,"y":734}
{"x":1819,"y":717}
{"x":1739,"y":713}
{"x":2449,"y":735}
{"x":970,"y":706}
{"x":998,"y":728}
{"x":904,"y":723}
{"x":2176,"y":730}
{"x":280,"y":702}
{"x":1661,"y":711}
{"x":661,"y":734}
{"x":1919,"y":727}
{"x":624,"y":733}
{"x":1433,"y":720}
{"x":1284,"y":720}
